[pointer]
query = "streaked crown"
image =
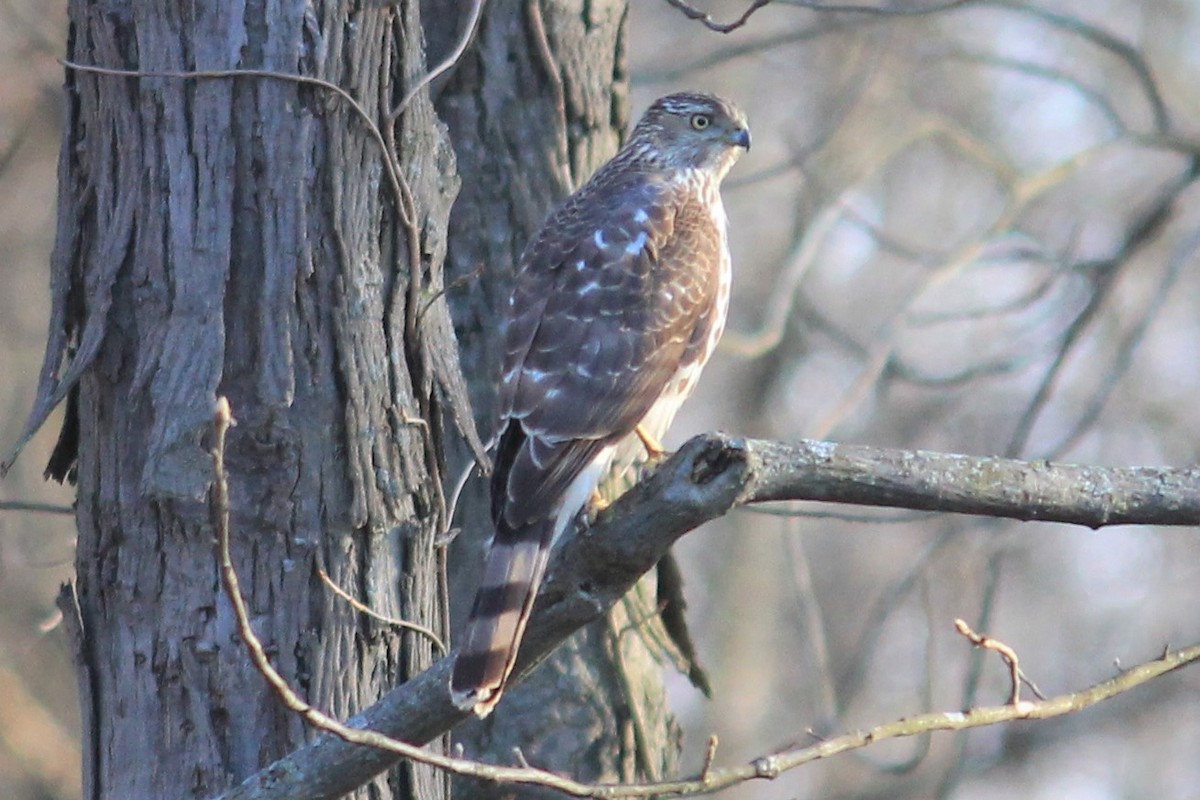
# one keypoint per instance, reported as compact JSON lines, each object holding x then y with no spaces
{"x":690,"y":130}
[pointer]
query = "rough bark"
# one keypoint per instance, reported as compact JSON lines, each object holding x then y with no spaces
{"x":239,"y":236}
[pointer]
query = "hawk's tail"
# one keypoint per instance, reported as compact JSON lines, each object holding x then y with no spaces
{"x":503,"y":603}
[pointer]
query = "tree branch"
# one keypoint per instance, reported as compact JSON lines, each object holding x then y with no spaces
{"x":980,"y":485}
{"x":709,"y":476}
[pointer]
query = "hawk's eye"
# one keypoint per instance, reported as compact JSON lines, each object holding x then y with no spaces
{"x":701,"y":121}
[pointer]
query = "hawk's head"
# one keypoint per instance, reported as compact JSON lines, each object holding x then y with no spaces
{"x":691,"y":131}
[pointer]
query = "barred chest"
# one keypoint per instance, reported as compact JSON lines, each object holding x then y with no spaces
{"x":711,"y":325}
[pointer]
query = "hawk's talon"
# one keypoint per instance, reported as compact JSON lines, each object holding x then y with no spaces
{"x":597,"y":504}
{"x":593,"y":509}
{"x":653,"y":449}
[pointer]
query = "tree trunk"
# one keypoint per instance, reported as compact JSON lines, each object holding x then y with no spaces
{"x":240,"y":236}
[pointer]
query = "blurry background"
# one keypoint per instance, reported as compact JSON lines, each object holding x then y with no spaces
{"x":952,"y":234}
{"x":945,"y":238}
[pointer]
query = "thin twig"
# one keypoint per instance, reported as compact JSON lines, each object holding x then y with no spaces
{"x":881,"y":11}
{"x":40,"y":508}
{"x":1016,"y":676}
{"x":703,"y":17}
{"x":364,"y":608}
{"x":545,"y":54}
{"x":461,"y":47}
{"x":691,"y":12}
{"x":710,"y":753}
{"x":454,"y":285}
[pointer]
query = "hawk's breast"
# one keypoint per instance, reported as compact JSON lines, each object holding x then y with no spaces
{"x":703,"y":229}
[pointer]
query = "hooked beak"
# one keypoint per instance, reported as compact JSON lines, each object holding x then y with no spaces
{"x":740,"y":138}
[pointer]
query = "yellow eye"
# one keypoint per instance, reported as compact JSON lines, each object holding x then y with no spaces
{"x":701,"y":121}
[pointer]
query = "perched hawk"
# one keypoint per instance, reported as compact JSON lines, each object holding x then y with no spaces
{"x":619,"y":301}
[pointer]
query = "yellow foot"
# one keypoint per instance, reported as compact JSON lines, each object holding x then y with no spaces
{"x":597,"y":504}
{"x":592,"y":510}
{"x":653,"y":449}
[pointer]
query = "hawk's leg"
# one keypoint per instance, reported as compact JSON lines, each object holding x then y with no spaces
{"x":653,"y":448}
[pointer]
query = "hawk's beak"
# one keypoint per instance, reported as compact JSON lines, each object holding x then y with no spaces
{"x":740,"y":138}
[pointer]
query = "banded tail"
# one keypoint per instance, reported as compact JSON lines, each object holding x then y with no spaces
{"x":511,"y":577}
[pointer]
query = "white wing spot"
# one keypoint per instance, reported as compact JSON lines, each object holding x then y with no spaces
{"x":598,"y":238}
{"x":640,"y":215}
{"x":553,"y":393}
{"x":535,"y":375}
{"x":581,"y":265}
{"x":636,"y":246}
{"x":588,"y":288}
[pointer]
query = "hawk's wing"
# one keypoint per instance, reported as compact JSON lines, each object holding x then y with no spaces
{"x":611,"y":301}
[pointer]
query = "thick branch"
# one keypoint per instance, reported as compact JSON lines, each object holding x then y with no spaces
{"x":988,"y":486}
{"x":708,"y":477}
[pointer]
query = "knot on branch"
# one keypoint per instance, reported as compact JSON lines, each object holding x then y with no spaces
{"x":718,"y":455}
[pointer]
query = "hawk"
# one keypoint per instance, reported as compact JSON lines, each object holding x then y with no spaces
{"x":619,"y":300}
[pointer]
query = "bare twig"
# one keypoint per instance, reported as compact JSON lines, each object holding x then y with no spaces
{"x":710,"y":754}
{"x":545,"y":54}
{"x":223,"y":420}
{"x":877,"y":10}
{"x":703,"y":17}
{"x":1016,"y":676}
{"x":370,"y":612}
{"x":447,"y":63}
{"x":772,"y":766}
{"x":42,"y":508}
{"x":454,"y":285}
{"x":691,"y":12}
